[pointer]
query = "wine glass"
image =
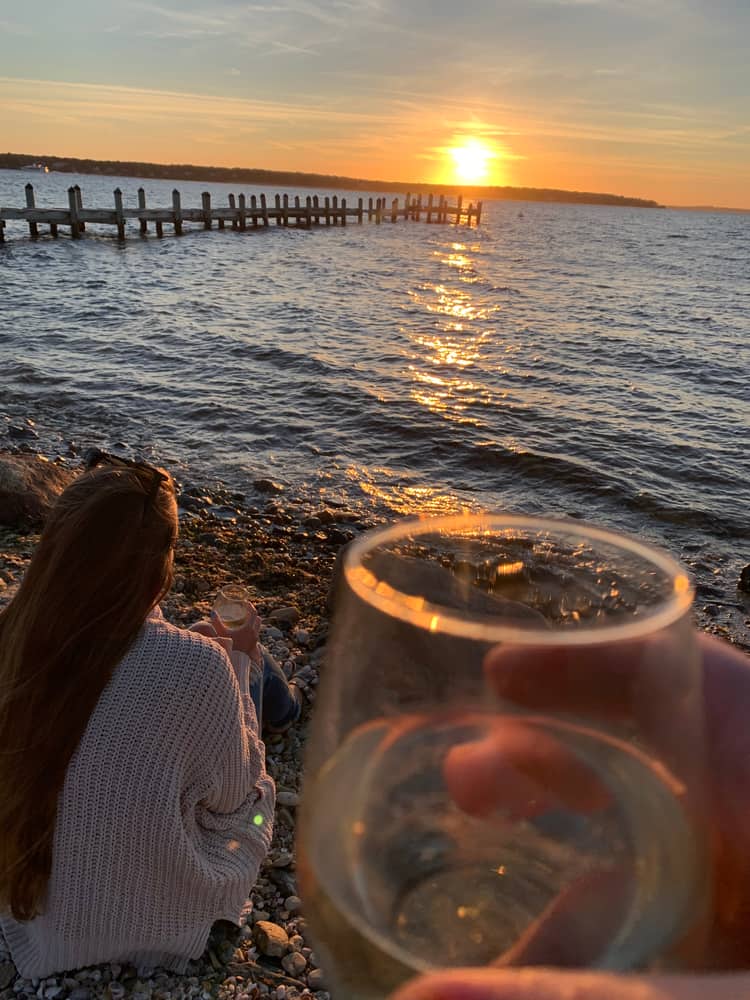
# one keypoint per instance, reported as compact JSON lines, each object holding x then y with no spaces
{"x":506,"y":764}
{"x":232,"y":605}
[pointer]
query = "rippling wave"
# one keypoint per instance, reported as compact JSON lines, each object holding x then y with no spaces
{"x":572,"y":359}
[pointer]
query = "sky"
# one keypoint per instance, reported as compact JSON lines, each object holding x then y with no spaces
{"x":646,"y":98}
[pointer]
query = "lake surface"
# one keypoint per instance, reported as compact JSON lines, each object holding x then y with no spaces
{"x":566,"y":359}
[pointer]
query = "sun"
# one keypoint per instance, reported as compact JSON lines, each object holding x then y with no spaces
{"x":471,"y":160}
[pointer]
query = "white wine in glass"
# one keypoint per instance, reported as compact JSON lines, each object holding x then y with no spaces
{"x":232,"y":605}
{"x":506,"y":761}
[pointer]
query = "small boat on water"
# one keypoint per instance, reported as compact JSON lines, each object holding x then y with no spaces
{"x":37,"y":166}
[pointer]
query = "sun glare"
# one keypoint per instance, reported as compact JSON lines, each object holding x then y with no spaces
{"x":471,"y":160}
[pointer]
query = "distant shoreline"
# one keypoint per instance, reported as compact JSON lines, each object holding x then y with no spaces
{"x":243,"y":175}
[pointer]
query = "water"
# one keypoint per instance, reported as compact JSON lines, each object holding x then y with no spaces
{"x":565,"y":359}
{"x":397,"y":878}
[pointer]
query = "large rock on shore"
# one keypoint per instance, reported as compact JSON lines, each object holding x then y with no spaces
{"x":29,"y":485}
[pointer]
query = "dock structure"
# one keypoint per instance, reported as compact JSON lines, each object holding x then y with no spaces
{"x":239,"y":213}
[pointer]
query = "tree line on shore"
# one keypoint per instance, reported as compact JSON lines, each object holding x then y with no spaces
{"x":283,"y":178}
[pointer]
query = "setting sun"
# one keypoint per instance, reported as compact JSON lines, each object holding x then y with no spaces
{"x":471,"y":160}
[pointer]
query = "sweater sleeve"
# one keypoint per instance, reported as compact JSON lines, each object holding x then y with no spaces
{"x":240,"y":795}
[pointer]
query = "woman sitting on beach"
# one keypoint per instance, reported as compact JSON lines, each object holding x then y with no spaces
{"x":136,"y":808}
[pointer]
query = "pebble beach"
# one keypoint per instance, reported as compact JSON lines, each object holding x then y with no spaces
{"x":285,"y":551}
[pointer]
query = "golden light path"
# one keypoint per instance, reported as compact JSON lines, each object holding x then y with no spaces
{"x":458,"y":326}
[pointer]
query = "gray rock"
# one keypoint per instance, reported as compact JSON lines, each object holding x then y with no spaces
{"x":22,"y":432}
{"x":29,"y":485}
{"x":744,"y":582}
{"x":288,"y":799}
{"x":7,"y":974}
{"x":316,"y":980}
{"x":285,"y":616}
{"x":271,"y":939}
{"x":293,"y":904}
{"x":282,"y":860}
{"x":267,"y":486}
{"x":294,"y":963}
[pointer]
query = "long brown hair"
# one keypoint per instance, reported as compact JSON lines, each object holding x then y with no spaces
{"x":103,"y":561}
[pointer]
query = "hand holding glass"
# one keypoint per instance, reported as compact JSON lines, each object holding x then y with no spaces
{"x":506,"y":763}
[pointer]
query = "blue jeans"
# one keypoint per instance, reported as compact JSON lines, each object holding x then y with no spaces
{"x":275,"y":704}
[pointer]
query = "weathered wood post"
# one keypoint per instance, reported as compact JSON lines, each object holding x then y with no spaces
{"x":441,"y":209}
{"x":243,"y":212}
{"x":277,"y":203}
{"x":360,"y":210}
{"x":458,"y":208}
{"x":33,"y":228}
{"x":75,"y":226}
{"x":394,"y":209}
{"x":327,"y":207}
{"x":285,"y":209}
{"x":378,"y":210}
{"x":206,"y":209}
{"x":233,"y":205}
{"x":343,"y":211}
{"x":316,"y":209}
{"x":428,"y":217}
{"x":418,"y":206}
{"x":479,"y":213}
{"x":159,"y":227}
{"x":334,"y":209}
{"x":142,"y":208}
{"x":79,"y":206}
{"x":2,"y":230}
{"x":308,"y":212}
{"x":119,"y":217}
{"x":176,"y":212}
{"x":264,"y":210}
{"x":52,"y":229}
{"x":407,"y":205}
{"x":254,"y":209}
{"x":369,"y":210}
{"x":469,"y":213}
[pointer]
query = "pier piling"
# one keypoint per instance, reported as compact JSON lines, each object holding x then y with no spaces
{"x":142,"y":209}
{"x":33,"y":229}
{"x":119,"y":217}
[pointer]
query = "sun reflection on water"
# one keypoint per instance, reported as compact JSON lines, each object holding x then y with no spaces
{"x":385,"y":487}
{"x":462,"y":324}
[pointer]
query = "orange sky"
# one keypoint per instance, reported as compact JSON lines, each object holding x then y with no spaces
{"x":649,"y":98}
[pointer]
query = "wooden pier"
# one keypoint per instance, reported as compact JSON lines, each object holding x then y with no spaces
{"x":240,"y":213}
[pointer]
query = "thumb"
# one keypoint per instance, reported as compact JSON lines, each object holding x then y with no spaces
{"x":547,"y":984}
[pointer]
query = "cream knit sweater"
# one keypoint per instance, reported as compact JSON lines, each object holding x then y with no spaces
{"x":164,"y":818}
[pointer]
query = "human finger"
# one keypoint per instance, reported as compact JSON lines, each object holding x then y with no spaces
{"x":577,"y":926}
{"x":521,"y":769}
{"x":203,"y":628}
{"x":548,"y":984}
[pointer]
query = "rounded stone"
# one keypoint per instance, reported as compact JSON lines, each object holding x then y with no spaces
{"x":271,"y":939}
{"x":294,"y":963}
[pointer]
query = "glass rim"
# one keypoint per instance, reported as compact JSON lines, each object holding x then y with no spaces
{"x":238,"y":589}
{"x":439,"y":619}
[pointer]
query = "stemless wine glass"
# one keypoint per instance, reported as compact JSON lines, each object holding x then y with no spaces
{"x":506,"y":761}
{"x":232,"y":605}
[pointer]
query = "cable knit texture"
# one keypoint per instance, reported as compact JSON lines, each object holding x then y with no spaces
{"x":164,"y":818}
